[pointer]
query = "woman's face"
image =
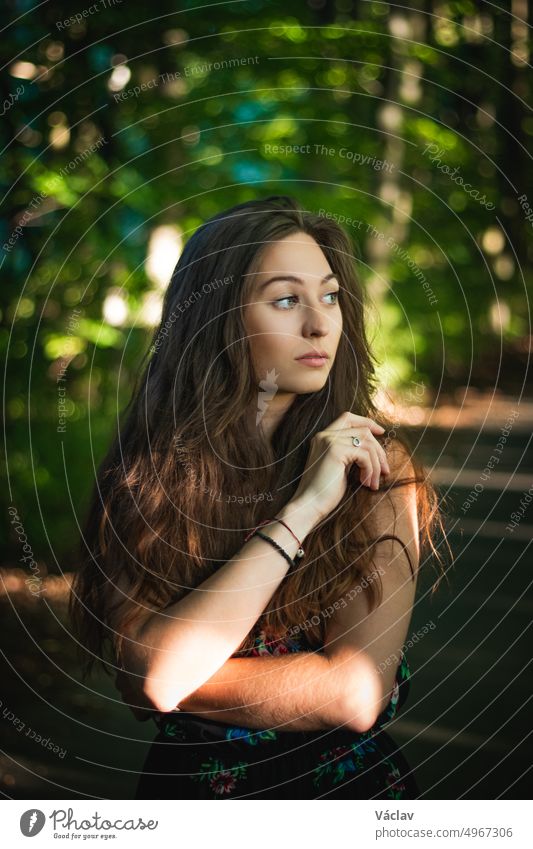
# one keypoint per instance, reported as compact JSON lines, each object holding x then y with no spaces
{"x":293,"y":310}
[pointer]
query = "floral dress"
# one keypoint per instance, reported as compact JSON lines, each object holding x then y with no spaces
{"x":197,"y":758}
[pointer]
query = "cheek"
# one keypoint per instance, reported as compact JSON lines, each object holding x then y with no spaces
{"x":337,"y":324}
{"x":272,"y":343}
{"x":271,"y":338}
{"x":270,"y":326}
{"x":281,"y":334}
{"x":256,"y":319}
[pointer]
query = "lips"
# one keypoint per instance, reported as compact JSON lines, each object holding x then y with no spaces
{"x":314,"y":356}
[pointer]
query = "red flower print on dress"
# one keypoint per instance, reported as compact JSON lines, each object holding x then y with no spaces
{"x":336,"y":752}
{"x":221,"y":779}
{"x":222,"y":782}
{"x":396,"y":787}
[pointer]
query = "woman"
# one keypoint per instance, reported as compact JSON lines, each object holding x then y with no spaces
{"x":253,"y":543}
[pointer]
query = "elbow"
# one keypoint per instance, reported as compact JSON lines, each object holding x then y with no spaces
{"x":359,"y":692}
{"x":359,"y":716}
{"x":159,"y":703}
{"x":361,"y":702}
{"x":160,"y":696}
{"x":167,"y":680}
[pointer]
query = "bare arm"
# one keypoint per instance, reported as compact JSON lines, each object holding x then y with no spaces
{"x":176,"y":650}
{"x":373,"y":640}
{"x":305,"y":691}
{"x":295,"y":692}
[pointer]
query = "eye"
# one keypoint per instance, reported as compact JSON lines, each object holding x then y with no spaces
{"x":295,"y":298}
{"x":287,"y":298}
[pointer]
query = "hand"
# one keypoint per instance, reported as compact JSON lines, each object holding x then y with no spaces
{"x":132,"y":695}
{"x":331,"y":455}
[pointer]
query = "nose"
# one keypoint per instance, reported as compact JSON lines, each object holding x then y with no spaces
{"x":315,"y":323}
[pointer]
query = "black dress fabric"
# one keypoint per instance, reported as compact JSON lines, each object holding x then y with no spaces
{"x":197,"y":758}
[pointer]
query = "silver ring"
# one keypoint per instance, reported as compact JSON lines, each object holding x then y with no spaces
{"x":356,"y":441}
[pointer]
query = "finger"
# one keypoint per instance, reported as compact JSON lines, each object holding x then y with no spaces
{"x":369,"y":438}
{"x":349,"y":419}
{"x":363,"y":461}
{"x":384,"y":460}
{"x":370,"y":463}
{"x":376,"y":466}
{"x":372,"y":466}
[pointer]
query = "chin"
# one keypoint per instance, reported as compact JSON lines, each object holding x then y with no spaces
{"x":313,"y":383}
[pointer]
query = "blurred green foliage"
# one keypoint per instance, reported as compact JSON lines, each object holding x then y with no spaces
{"x":91,"y":167}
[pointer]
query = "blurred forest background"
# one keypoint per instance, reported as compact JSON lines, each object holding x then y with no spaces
{"x":124,"y":128}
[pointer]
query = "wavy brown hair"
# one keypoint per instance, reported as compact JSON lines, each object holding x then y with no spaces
{"x":189,"y":472}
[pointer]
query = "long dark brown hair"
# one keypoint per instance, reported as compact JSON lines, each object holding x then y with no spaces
{"x":189,"y":472}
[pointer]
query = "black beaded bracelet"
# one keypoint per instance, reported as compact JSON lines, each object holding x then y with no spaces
{"x":273,"y":542}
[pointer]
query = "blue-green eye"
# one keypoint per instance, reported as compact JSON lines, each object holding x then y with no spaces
{"x":295,"y":298}
{"x":288,"y":298}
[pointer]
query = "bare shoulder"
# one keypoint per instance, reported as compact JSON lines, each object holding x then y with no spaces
{"x":396,"y":510}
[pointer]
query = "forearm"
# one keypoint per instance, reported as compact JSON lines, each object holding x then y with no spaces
{"x":183,"y":646}
{"x":302,"y":691}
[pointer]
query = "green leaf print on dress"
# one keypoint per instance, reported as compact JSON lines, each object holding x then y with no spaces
{"x":341,"y":760}
{"x":396,"y":787}
{"x":220,"y":778}
{"x":251,"y":737}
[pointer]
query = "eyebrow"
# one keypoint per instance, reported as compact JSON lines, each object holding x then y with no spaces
{"x":292,"y":279}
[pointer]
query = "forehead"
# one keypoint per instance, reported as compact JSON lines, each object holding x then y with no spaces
{"x":297,"y":254}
